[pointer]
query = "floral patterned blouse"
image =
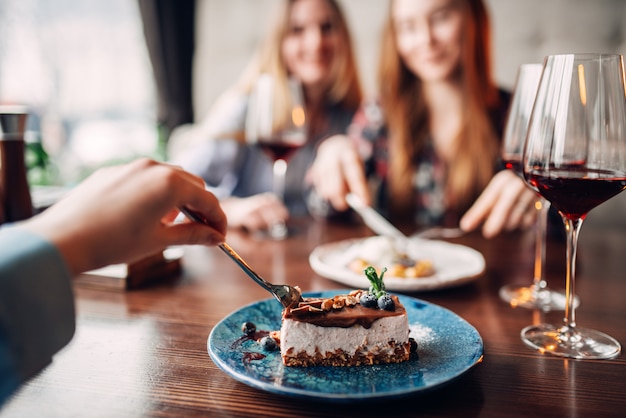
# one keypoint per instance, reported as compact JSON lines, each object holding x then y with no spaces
{"x":370,"y":135}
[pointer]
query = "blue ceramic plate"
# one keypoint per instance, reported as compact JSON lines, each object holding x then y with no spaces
{"x":447,"y":347}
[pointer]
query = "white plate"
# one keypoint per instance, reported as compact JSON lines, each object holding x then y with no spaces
{"x":454,"y":264}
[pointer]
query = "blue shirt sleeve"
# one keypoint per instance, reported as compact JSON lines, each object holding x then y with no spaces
{"x":37,"y":316}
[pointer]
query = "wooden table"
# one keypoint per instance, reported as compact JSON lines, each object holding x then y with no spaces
{"x":143,"y":352}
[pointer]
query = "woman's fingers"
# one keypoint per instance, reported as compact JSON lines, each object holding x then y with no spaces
{"x":337,"y":171}
{"x":505,"y":204}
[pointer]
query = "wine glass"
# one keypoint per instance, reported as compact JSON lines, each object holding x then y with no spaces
{"x":276,"y":123}
{"x":537,"y":295}
{"x":575,"y":157}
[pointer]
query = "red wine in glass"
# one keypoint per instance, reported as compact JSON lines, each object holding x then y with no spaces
{"x":515,"y":166}
{"x":575,"y":196}
{"x":277,"y":149}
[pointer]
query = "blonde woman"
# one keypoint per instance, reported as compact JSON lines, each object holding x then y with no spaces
{"x":309,"y":40}
{"x":433,"y":138}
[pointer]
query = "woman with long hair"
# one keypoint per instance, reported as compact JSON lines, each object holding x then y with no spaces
{"x":308,"y":40}
{"x":433,"y":137}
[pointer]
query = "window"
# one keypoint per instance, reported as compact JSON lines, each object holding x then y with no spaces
{"x":83,"y":69}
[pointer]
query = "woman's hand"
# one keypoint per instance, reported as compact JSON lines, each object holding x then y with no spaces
{"x":337,"y":171}
{"x":505,"y":204}
{"x":124,"y":213}
{"x":256,"y":212}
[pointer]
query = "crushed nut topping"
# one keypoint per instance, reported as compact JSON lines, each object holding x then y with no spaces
{"x":338,"y":302}
{"x":327,"y":305}
{"x":319,"y":305}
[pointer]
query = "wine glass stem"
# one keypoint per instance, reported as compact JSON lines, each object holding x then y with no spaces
{"x":542,"y":206}
{"x":279,"y":171}
{"x":278,"y":229}
{"x":572,"y":228}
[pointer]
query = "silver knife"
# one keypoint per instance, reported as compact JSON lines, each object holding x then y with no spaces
{"x":374,"y":220}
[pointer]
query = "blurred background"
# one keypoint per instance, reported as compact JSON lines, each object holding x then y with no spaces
{"x":83,"y":69}
{"x":107,"y":81}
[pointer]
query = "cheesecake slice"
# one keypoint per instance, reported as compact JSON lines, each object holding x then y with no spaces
{"x":343,"y":331}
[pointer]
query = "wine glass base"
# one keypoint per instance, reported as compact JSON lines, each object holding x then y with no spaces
{"x":276,"y":232}
{"x":527,"y":297}
{"x":578,"y":343}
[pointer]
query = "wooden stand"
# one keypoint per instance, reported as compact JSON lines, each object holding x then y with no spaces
{"x":142,"y":273}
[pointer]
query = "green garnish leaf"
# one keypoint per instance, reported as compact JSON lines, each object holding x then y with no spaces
{"x":377,"y":286}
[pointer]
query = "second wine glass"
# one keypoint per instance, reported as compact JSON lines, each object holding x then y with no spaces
{"x":276,"y":123}
{"x":537,"y":295}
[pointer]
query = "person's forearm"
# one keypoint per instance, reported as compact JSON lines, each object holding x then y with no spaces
{"x":36,"y":303}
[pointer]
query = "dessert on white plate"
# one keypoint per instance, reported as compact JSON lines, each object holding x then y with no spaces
{"x":381,"y":251}
{"x":452,"y":264}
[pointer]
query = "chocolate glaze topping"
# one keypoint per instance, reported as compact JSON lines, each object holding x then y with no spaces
{"x":344,"y":317}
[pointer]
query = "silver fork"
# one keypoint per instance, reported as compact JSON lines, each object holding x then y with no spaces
{"x":287,"y":295}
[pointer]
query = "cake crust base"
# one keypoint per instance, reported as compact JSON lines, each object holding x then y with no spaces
{"x":396,"y":353}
